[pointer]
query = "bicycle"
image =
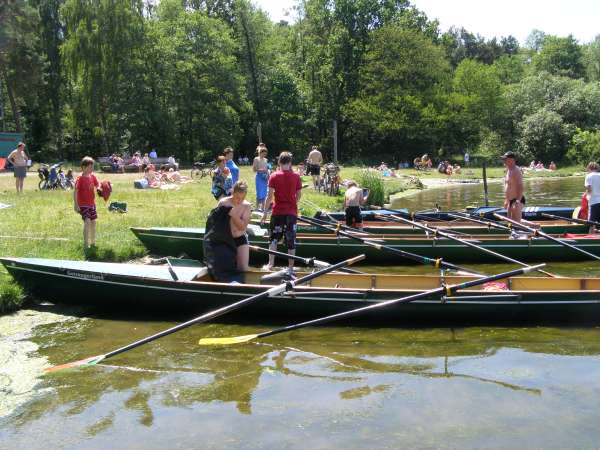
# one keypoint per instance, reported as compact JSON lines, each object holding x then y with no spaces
{"x":331,"y":179}
{"x":201,"y":170}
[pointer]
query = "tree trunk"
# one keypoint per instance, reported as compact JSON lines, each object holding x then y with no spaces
{"x":13,"y":104}
{"x":252,"y":64}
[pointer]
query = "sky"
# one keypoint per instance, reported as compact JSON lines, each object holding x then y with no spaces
{"x":496,"y":18}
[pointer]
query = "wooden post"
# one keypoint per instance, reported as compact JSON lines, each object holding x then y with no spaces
{"x":335,"y":149}
{"x":259,"y":132}
{"x":485,"y":186}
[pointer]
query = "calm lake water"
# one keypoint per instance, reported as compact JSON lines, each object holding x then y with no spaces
{"x":331,"y":387}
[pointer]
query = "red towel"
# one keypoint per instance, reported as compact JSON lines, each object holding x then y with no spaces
{"x":2,"y":163}
{"x":580,"y":236}
{"x":106,"y":190}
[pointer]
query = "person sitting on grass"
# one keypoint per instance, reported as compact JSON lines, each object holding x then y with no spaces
{"x":151,"y":177}
{"x":84,"y":202}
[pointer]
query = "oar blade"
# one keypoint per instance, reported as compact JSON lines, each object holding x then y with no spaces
{"x":72,"y":365}
{"x":227,"y":340}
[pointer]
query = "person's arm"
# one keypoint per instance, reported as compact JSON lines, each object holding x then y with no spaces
{"x":268,"y":202}
{"x":298,"y":188}
{"x":255,"y":165}
{"x":11,"y":158}
{"x":240,"y":219}
{"x":75,"y":205}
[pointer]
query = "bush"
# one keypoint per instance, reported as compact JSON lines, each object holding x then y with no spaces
{"x":584,"y":147}
{"x":11,"y":295}
{"x":371,"y":179}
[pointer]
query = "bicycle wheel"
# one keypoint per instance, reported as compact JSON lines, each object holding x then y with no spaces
{"x":43,"y":185}
{"x":196,"y":173}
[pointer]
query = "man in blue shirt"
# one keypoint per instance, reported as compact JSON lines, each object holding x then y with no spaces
{"x":231,"y":165}
{"x":153,"y":154}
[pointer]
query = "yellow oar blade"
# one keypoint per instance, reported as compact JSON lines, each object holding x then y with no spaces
{"x":227,"y":340}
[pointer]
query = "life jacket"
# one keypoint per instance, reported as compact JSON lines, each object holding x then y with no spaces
{"x":584,"y":209}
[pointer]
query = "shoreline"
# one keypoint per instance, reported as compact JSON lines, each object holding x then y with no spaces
{"x":436,"y":183}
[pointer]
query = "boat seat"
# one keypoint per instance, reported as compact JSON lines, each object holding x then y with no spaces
{"x":201,"y":275}
{"x":278,"y":277}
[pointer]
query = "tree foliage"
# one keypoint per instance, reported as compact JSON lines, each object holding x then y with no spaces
{"x":190,"y":77}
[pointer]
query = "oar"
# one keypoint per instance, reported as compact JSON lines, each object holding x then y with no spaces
{"x":467,"y":243}
{"x":275,"y":290}
{"x":546,"y":236}
{"x":574,"y":220}
{"x":448,"y":290}
{"x":437,"y":263}
{"x":489,"y":224}
{"x":310,"y":262}
{"x":413,"y":216}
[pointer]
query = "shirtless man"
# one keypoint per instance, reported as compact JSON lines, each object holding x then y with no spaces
{"x":315,"y":158}
{"x":353,"y":199}
{"x":239,"y":219}
{"x":513,"y":188}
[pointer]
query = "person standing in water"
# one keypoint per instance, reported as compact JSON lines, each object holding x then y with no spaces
{"x":514,"y":200}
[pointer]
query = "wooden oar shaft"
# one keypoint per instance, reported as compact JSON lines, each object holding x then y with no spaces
{"x":547,"y":236}
{"x":404,"y":254}
{"x":572,"y":219}
{"x":479,"y":221}
{"x":441,"y":290}
{"x":467,"y":243}
{"x":219,"y":312}
{"x":310,"y":262}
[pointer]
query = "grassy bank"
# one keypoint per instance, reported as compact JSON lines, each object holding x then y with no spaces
{"x":43,"y":223}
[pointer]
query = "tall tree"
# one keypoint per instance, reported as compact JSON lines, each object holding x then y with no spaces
{"x":560,"y":56}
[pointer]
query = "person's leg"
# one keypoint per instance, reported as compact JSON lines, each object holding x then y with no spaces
{"x":86,"y":233}
{"x":92,"y":231}
{"x":243,"y":257}
{"x":290,"y":238}
{"x":17,"y":184}
{"x":275,"y":235}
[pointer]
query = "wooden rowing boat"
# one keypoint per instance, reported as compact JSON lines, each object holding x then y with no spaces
{"x":147,"y":286}
{"x":532,"y":213}
{"x":457,"y":226}
{"x":188,"y":241}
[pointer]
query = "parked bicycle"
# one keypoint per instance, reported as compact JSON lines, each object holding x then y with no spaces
{"x":331,"y":179}
{"x":53,"y":177}
{"x":201,"y":170}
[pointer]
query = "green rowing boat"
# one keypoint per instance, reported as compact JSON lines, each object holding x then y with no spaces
{"x":115,"y":285}
{"x":188,"y":241}
{"x":380,"y":227}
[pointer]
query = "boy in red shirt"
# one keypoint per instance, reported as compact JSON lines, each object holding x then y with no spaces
{"x":285,"y":188}
{"x":84,"y":199}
